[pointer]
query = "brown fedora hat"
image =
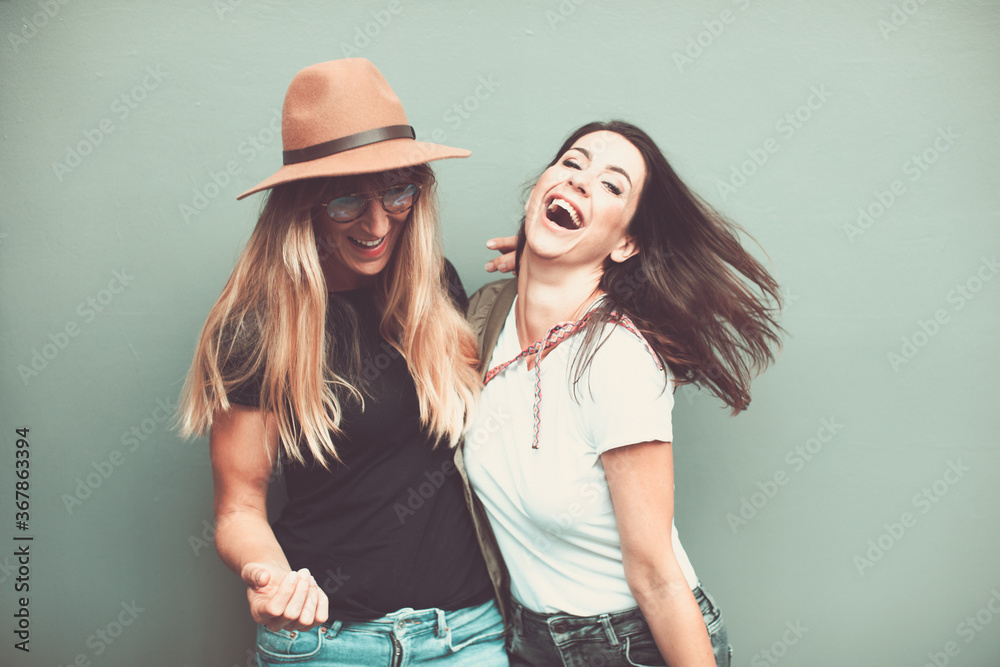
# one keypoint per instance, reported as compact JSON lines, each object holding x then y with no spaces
{"x":340,"y":118}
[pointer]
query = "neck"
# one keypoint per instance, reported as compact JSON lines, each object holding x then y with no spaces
{"x":339,"y":279}
{"x":549,"y":293}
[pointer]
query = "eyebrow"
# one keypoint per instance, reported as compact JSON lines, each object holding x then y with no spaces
{"x":611,"y":167}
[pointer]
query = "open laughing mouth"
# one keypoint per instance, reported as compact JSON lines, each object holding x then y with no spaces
{"x":563,"y":214}
{"x":367,"y":245}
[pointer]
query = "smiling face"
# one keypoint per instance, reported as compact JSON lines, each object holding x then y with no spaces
{"x":353,"y":253}
{"x":579,"y":210}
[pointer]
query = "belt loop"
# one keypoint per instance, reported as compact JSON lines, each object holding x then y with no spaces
{"x":518,"y":619}
{"x":334,"y":629}
{"x":608,"y":629}
{"x":442,"y":625}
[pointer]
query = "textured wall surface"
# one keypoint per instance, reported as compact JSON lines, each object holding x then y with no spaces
{"x":848,"y":518}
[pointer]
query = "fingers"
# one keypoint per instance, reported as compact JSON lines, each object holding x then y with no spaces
{"x":316,"y":610}
{"x":274,"y":608}
{"x":502,"y":243}
{"x":503,"y":264}
{"x":294,"y":604}
{"x":506,"y":245}
{"x":297,"y":613}
{"x":306,"y":619}
{"x":322,"y":607}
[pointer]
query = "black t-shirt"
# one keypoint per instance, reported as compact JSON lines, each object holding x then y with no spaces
{"x":387,"y":527}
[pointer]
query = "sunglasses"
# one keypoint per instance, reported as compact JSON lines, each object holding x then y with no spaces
{"x":395,"y":200}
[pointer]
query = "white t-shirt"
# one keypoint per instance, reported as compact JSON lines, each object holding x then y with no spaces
{"x":550,"y":507}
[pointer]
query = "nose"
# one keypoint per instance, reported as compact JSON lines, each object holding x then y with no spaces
{"x":580,"y":181}
{"x":375,"y":220}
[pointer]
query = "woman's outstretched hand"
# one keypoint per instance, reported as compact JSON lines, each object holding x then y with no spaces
{"x":504,"y":245}
{"x":284,"y":600}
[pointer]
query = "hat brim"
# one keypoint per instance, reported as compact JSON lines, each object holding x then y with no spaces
{"x":381,"y":156}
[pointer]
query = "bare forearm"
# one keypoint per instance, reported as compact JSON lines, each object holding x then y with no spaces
{"x":246,"y":537}
{"x":676,"y":623}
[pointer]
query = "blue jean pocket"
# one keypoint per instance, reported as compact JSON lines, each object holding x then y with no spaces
{"x":640,"y":650}
{"x":717,"y":632}
{"x":282,"y":647}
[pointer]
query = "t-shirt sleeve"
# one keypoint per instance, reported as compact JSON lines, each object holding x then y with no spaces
{"x":456,"y":290}
{"x":235,"y":358}
{"x":246,"y":393}
{"x":626,"y":398}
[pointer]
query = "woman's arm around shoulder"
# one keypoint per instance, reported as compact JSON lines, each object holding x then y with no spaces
{"x":641,"y":480}
{"x":243,"y":443}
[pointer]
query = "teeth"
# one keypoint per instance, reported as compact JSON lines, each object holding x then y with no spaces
{"x":566,"y":207}
{"x":367,"y":244}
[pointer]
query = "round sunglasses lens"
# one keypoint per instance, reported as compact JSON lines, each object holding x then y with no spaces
{"x":345,"y":209}
{"x":400,"y":198}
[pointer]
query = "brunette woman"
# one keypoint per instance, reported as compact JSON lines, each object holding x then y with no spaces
{"x":337,"y":352}
{"x":627,"y":286}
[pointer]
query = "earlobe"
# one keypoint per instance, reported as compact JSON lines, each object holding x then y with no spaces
{"x":626,"y":249}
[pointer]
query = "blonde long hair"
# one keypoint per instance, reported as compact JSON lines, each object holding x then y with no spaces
{"x":270,"y":323}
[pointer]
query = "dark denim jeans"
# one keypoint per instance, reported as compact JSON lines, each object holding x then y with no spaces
{"x":608,"y":640}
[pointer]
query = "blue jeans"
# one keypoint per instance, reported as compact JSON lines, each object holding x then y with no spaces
{"x":471,"y":636}
{"x":608,"y":640}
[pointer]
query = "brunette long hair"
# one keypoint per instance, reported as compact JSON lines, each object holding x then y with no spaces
{"x":705,"y":304}
{"x":269,"y":326}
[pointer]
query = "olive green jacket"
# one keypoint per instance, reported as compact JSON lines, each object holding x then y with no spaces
{"x":488,"y":309}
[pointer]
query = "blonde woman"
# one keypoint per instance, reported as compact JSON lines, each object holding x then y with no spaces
{"x":336,"y":350}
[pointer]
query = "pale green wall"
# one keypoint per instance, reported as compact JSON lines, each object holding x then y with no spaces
{"x":551,"y":66}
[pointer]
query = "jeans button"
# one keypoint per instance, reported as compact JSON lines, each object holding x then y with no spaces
{"x":559,"y":627}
